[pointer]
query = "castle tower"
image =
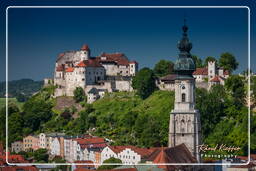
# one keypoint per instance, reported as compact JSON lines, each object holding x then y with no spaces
{"x":85,"y":52}
{"x":185,"y":124}
{"x":211,"y":70}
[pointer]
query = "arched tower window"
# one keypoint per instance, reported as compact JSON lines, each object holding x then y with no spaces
{"x":182,"y":126}
{"x":183,"y":97}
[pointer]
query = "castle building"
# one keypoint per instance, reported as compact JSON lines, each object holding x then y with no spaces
{"x":205,"y":77}
{"x":107,"y":72}
{"x":185,"y":124}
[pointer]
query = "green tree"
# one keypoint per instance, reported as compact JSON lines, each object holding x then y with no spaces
{"x":41,"y":155}
{"x":211,"y":106}
{"x":15,"y":125}
{"x":228,"y":62}
{"x":163,"y":67}
{"x":235,"y":86}
{"x":144,"y":82}
{"x":79,"y":94}
{"x":198,"y":61}
{"x":110,"y":160}
{"x":13,"y":114}
{"x":210,"y":58}
{"x":253,"y":87}
{"x":37,"y":111}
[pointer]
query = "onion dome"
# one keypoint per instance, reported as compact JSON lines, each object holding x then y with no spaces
{"x":184,"y":65}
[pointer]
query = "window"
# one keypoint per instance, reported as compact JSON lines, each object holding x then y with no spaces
{"x":183,"y":97}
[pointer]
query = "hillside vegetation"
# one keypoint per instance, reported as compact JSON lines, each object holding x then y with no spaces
{"x":25,"y":87}
{"x":125,"y":118}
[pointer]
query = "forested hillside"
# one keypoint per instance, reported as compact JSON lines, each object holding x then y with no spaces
{"x":25,"y":87}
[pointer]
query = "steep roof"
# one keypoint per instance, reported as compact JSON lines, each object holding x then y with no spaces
{"x":201,"y":71}
{"x":119,"y":58}
{"x":144,"y":152}
{"x":168,"y":78}
{"x":89,"y":63}
{"x":215,"y":79}
{"x":177,"y":154}
{"x":93,"y":140}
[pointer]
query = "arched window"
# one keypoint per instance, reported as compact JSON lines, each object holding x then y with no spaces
{"x":183,"y":97}
{"x":182,"y":126}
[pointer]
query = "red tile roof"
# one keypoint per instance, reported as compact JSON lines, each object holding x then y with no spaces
{"x":119,"y":58}
{"x":215,"y":79}
{"x":102,"y":145}
{"x":141,"y":151}
{"x":94,"y":140}
{"x":133,"y":62}
{"x":85,"y":47}
{"x":15,"y":168}
{"x":253,"y":156}
{"x":70,"y":69}
{"x":89,"y":63}
{"x":60,"y":68}
{"x":201,"y":71}
{"x":12,"y":158}
{"x":86,"y":163}
{"x":61,"y":54}
{"x":177,"y":154}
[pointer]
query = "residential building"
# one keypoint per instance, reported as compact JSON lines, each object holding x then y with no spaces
{"x":30,"y":143}
{"x":17,"y":146}
{"x":127,"y":154}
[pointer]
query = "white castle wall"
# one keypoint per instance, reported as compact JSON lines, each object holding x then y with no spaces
{"x":123,"y":85}
{"x":111,"y":69}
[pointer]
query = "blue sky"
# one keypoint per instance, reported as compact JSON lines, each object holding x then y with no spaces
{"x":37,"y":36}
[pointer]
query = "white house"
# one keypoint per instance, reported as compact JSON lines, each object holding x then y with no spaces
{"x":55,"y":147}
{"x":127,"y":154}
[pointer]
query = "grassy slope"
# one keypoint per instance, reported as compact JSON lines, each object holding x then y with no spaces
{"x":117,"y":105}
{"x":11,"y":100}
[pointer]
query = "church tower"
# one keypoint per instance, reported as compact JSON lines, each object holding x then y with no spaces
{"x":185,"y":126}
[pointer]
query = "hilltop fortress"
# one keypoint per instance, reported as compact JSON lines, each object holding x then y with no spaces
{"x":96,"y":75}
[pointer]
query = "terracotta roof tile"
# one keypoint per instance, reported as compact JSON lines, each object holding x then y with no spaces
{"x":119,"y":58}
{"x":95,"y":140}
{"x":86,"y":163}
{"x":215,"y":79}
{"x":144,"y":152}
{"x":89,"y":63}
{"x":70,"y":69}
{"x":60,"y":68}
{"x":15,"y":168}
{"x":177,"y":154}
{"x":201,"y":71}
